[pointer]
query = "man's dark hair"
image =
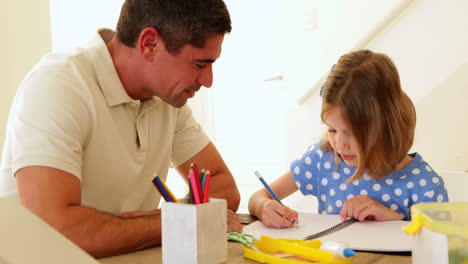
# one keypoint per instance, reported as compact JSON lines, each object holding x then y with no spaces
{"x":179,"y":22}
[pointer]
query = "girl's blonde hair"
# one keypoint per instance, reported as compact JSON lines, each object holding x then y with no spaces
{"x":365,"y":86}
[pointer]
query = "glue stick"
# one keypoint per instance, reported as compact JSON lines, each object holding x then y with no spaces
{"x":338,"y":249}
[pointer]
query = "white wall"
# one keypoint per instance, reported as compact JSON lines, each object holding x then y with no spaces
{"x":429,"y":47}
{"x":317,"y":32}
{"x":428,"y":44}
{"x":74,"y":22}
{"x":26,"y":38}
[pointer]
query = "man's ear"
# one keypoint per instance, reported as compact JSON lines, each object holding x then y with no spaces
{"x":148,"y":43}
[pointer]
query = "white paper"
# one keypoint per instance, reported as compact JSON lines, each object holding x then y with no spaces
{"x":365,"y":236}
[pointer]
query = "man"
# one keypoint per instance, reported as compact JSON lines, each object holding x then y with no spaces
{"x":88,"y":127}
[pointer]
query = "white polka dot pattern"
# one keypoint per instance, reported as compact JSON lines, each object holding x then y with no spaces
{"x":339,"y":203}
{"x":376,"y":187}
{"x":336,"y":175}
{"x":316,"y":173}
{"x":297,"y":170}
{"x":397,"y":191}
{"x":324,"y":182}
{"x":422,"y":182}
{"x":385,"y":197}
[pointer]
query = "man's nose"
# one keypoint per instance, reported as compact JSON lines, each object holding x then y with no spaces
{"x":206,"y":76}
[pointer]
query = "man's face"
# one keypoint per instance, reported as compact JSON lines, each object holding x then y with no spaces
{"x":177,"y":78}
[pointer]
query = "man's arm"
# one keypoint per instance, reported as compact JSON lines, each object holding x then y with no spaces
{"x":222,"y":184}
{"x":55,"y":196}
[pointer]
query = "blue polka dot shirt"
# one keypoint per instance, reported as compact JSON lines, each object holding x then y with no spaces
{"x":315,"y":174}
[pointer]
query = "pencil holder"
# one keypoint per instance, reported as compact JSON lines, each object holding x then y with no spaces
{"x":194,"y":233}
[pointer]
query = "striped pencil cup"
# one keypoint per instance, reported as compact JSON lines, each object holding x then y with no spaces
{"x":194,"y":233}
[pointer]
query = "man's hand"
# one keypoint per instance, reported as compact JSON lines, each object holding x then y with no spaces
{"x":55,"y":196}
{"x":233,"y":222}
{"x":363,"y":207}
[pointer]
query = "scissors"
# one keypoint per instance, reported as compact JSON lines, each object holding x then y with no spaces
{"x":245,"y":239}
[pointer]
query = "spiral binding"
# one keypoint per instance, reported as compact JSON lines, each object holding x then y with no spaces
{"x":331,"y":229}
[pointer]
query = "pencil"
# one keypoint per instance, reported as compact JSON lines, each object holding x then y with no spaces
{"x":168,"y":190}
{"x":268,"y":187}
{"x":164,"y":192}
{"x":193,"y":182}
{"x":207,"y":186}
{"x":197,"y":178}
{"x":269,"y":190}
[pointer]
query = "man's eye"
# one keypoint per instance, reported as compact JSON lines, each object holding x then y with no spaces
{"x":331,"y":131}
{"x":199,"y":66}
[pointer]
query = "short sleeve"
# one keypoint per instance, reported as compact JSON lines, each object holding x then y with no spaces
{"x":432,"y":189}
{"x":49,"y":122}
{"x":305,"y":170}
{"x":189,"y":137}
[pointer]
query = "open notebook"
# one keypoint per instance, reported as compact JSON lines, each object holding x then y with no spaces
{"x":25,"y":238}
{"x":366,"y":236}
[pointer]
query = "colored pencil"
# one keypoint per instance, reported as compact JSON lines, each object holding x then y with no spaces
{"x":206,"y":189}
{"x":193,"y":182}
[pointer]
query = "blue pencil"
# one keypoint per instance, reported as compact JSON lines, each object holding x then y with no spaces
{"x":269,"y":189}
{"x":162,"y":189}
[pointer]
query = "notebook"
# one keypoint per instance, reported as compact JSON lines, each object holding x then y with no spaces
{"x":25,"y":238}
{"x":366,"y":236}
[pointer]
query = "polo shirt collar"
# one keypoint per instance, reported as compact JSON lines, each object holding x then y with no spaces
{"x":106,"y":74}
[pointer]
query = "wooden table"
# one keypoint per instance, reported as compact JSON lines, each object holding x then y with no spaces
{"x":236,"y":255}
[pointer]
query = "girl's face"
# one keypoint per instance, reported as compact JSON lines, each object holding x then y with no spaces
{"x":342,"y":140}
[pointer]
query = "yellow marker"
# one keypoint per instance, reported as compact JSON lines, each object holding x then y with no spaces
{"x":304,"y":249}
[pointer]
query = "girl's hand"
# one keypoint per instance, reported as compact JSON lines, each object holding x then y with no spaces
{"x":273,"y":214}
{"x":362,"y":207}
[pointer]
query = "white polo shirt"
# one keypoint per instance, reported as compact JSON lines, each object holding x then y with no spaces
{"x":72,"y":113}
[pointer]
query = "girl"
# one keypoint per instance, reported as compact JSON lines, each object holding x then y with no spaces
{"x":361,"y":168}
